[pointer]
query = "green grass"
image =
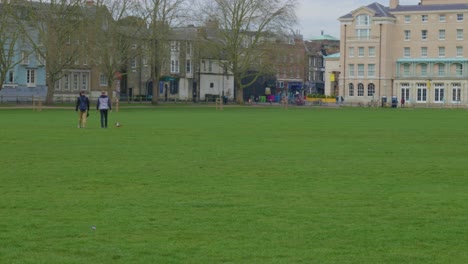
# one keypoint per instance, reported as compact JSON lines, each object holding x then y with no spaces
{"x":246,"y":185}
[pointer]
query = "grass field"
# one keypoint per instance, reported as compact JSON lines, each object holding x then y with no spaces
{"x":246,"y":185}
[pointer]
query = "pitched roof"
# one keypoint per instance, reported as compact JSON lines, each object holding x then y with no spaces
{"x":444,"y":7}
{"x":378,"y":9}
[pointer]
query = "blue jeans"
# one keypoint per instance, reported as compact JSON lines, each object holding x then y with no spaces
{"x":104,"y":118}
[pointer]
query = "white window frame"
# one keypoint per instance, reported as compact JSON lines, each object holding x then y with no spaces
{"x":424,"y":34}
{"x":459,"y":52}
{"x":405,"y":91}
{"x":371,"y":51}
{"x":360,"y":52}
{"x":460,"y":17}
{"x":351,"y":71}
{"x":351,"y":52}
{"x":459,"y":34}
{"x":103,"y":80}
{"x":442,"y":18}
{"x":361,"y":70}
{"x":441,"y":34}
{"x":439,"y":92}
{"x":371,"y":70}
{"x":456,"y":92}
{"x":407,"y":19}
{"x":441,"y":52}
{"x":407,"y":52}
{"x":421,"y":92}
{"x":360,"y":89}
{"x":370,"y":89}
{"x":423,"y":52}
{"x":424,"y":18}
{"x":407,"y":34}
{"x":351,"y":89}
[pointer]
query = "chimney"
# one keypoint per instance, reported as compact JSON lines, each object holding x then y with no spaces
{"x":89,"y":2}
{"x":394,"y":4}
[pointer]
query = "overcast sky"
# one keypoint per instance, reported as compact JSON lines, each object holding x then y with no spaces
{"x":317,"y":15}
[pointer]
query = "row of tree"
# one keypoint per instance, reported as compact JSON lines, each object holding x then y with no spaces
{"x":104,"y":28}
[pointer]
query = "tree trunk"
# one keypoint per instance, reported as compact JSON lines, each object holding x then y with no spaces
{"x":239,"y":95}
{"x":49,"y":100}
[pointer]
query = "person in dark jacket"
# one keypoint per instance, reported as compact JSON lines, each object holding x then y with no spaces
{"x":103,"y":106}
{"x":82,"y":104}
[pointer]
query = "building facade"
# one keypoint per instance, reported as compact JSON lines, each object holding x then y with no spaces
{"x":415,"y":52}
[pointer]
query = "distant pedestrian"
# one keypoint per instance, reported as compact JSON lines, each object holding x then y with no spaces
{"x":104,"y":106}
{"x":402,"y":102}
{"x":82,"y":104}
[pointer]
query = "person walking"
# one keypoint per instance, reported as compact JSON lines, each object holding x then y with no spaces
{"x":103,"y":106}
{"x":82,"y":104}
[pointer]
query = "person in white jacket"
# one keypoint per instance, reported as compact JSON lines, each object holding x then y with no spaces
{"x":104,"y":106}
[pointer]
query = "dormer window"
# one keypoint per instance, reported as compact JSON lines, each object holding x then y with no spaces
{"x":363,"y":20}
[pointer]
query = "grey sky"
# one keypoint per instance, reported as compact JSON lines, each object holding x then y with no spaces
{"x":317,"y":15}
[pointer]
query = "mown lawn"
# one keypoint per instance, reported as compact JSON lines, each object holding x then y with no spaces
{"x":246,"y":185}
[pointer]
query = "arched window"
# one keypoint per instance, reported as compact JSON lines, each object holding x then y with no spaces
{"x":351,"y":89}
{"x":360,"y":89}
{"x":370,"y":89}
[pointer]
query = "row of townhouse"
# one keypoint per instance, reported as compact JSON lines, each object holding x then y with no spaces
{"x":415,"y":52}
{"x":189,"y":71}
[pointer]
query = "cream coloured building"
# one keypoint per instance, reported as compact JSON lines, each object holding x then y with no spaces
{"x":416,"y":52}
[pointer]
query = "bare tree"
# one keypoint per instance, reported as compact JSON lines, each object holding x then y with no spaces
{"x":244,"y":30}
{"x":113,"y":36}
{"x":51,"y":26}
{"x":9,"y":39}
{"x":161,"y":15}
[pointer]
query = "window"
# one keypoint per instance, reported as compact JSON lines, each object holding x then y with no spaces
{"x":423,"y":34}
{"x":407,"y":19}
{"x":405,"y":89}
{"x":441,"y":34}
{"x":66,"y":81}
{"x":440,"y":70}
{"x":424,"y":18}
{"x":360,"y":70}
{"x":459,"y":34}
{"x":174,"y":66}
{"x":102,"y":80}
{"x":361,"y":51}
{"x":423,"y":52}
{"x":459,"y":17}
{"x":351,"y":52}
{"x":351,"y":70}
{"x":211,"y":85}
{"x":459,"y":70}
{"x":133,"y":63}
{"x":371,"y":70}
{"x":406,"y":52}
{"x":406,"y":70}
{"x":174,"y":87}
{"x":40,"y":60}
{"x":407,"y":34}
{"x":84,"y":81}
{"x":360,"y":89}
{"x":189,"y":49}
{"x":439,"y":92}
{"x":10,"y":77}
{"x":422,"y":92}
{"x":24,"y":58}
{"x":210,"y":66}
{"x":441,"y":18}
{"x":75,"y":80}
{"x":363,"y":20}
{"x":370,"y":89}
{"x":371,"y":51}
{"x":460,"y":51}
{"x":175,"y":46}
{"x":423,"y":70}
{"x":351,"y":89}
{"x":189,"y":66}
{"x":31,"y":77}
{"x":456,"y":92}
{"x":363,"y":33}
{"x":441,"y":51}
